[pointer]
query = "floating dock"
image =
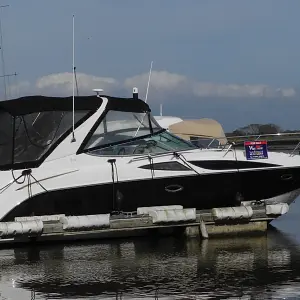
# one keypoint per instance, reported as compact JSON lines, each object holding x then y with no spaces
{"x":161,"y":220}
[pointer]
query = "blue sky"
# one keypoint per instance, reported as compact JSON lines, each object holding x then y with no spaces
{"x":225,"y":41}
{"x":250,"y":42}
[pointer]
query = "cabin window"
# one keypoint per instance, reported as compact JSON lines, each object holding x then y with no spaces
{"x":33,"y":134}
{"x":167,"y":166}
{"x":120,"y":126}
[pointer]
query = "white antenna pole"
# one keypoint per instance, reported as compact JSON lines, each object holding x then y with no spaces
{"x":2,"y":55}
{"x":148,"y":82}
{"x":161,"y":106}
{"x":73,"y":133}
{"x":145,"y":97}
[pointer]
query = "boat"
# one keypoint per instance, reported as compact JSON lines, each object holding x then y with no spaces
{"x":202,"y":132}
{"x":100,"y":154}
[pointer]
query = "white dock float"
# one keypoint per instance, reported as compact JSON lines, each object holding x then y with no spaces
{"x":27,"y":228}
{"x":173,"y":219}
{"x":172,"y":215}
{"x":146,"y":210}
{"x":85,"y":222}
{"x":232,"y":213}
{"x":277,"y":209}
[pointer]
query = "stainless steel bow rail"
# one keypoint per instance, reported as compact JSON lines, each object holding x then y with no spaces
{"x":285,"y":142}
{"x":162,"y":220}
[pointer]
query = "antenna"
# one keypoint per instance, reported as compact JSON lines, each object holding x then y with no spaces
{"x":148,"y":82}
{"x":8,"y":75}
{"x":73,"y":132}
{"x":2,"y":55}
{"x":77,"y":93}
{"x":161,"y":107}
{"x":135,"y":95}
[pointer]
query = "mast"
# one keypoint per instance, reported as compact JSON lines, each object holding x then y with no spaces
{"x":73,"y":46}
{"x":2,"y":55}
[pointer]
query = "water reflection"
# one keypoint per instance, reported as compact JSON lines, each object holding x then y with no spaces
{"x":165,"y":268}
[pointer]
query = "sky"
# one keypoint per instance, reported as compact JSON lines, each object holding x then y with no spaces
{"x":214,"y":58}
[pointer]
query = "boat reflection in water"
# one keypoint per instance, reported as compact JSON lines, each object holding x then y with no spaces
{"x":161,"y":268}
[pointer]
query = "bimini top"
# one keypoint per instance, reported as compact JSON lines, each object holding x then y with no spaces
{"x":32,"y":104}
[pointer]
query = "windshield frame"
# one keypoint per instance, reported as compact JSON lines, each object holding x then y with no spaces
{"x":83,"y":149}
{"x":189,"y":147}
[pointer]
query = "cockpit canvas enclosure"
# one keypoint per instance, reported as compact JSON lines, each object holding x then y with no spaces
{"x":32,"y":127}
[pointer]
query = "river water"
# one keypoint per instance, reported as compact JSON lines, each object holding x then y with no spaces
{"x":265,"y":267}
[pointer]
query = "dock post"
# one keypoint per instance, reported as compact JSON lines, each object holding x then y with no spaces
{"x":203,"y":229}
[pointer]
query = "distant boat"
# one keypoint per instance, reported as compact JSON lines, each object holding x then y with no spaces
{"x":201,"y":132}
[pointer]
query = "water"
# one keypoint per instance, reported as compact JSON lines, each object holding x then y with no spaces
{"x":266,"y":267}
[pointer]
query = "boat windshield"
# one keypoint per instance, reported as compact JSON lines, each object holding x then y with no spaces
{"x":26,"y":139}
{"x":128,"y":133}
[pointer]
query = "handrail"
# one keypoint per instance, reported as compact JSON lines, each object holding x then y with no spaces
{"x":265,"y":135}
{"x":238,"y":136}
{"x":297,"y":146}
{"x":239,"y":139}
{"x":227,"y":150}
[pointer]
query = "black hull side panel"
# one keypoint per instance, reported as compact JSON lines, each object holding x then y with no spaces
{"x":199,"y":191}
{"x":268,"y":183}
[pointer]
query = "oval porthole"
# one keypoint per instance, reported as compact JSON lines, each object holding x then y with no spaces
{"x":173,"y":188}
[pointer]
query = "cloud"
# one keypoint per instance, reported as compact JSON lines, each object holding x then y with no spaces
{"x":234,"y":90}
{"x":62,"y":83}
{"x":163,"y":81}
{"x":163,"y":85}
{"x":160,"y":80}
{"x":233,"y":105}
